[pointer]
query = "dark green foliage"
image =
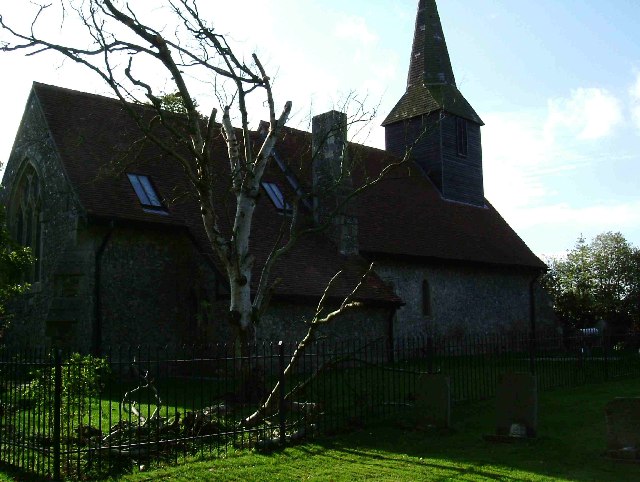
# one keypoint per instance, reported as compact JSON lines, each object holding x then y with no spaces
{"x":174,"y":103}
{"x":14,"y":260}
{"x":82,"y":380}
{"x":597,"y":281}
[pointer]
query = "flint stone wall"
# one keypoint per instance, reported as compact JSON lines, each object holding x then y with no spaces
{"x":60,"y":215}
{"x":464,"y":299}
{"x":286,"y":321}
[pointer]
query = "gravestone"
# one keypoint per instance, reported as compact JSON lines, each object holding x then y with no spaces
{"x":622,"y":416}
{"x":517,"y":406}
{"x":433,"y":400}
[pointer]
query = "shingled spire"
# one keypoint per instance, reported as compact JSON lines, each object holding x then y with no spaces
{"x":430,"y":63}
{"x":433,"y":118}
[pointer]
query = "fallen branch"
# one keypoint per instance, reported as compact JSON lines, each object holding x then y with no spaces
{"x":319,"y":319}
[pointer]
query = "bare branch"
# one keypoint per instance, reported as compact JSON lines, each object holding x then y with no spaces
{"x":347,"y":304}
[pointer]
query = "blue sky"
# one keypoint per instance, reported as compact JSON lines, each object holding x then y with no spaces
{"x":556,"y":82}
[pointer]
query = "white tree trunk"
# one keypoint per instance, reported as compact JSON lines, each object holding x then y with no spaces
{"x":240,"y":266}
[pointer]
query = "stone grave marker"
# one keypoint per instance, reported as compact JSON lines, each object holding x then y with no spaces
{"x":622,"y":417}
{"x":433,"y":400}
{"x":516,"y":408}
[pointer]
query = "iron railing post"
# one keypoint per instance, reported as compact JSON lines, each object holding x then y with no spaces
{"x":57,"y":408}
{"x":282,"y":401}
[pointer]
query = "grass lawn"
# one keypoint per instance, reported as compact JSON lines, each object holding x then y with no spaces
{"x":569,"y":447}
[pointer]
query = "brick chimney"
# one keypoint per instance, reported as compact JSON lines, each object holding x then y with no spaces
{"x":332,"y":180}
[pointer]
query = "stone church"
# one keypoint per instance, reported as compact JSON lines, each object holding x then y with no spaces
{"x":122,"y":256}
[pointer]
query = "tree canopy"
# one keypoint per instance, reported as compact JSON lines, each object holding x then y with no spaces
{"x":597,"y":281}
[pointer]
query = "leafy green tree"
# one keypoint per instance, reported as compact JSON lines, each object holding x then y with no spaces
{"x":14,"y":260}
{"x":597,"y":281}
{"x":174,"y":102}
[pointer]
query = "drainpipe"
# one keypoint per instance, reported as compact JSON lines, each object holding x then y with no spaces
{"x":532,"y":323}
{"x":97,"y":318}
{"x":390,"y":340}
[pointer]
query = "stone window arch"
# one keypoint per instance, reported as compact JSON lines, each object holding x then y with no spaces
{"x":26,"y":216}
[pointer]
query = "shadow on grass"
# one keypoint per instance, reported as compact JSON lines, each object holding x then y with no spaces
{"x":12,"y":473}
{"x":570,"y":445}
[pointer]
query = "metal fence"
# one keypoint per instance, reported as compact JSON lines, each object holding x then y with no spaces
{"x":74,"y":416}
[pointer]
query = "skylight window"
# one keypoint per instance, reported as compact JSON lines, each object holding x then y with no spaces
{"x":277,"y":198}
{"x":293,"y":182}
{"x":145,"y":191}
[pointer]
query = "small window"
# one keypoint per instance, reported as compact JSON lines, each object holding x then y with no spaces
{"x":426,"y":298}
{"x":145,"y":191}
{"x":277,"y":198}
{"x":461,"y":136}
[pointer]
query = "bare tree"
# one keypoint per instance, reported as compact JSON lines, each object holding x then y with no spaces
{"x":193,"y":49}
{"x":121,"y":47}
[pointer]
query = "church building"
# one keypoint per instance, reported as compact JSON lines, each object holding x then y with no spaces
{"x":122,"y":256}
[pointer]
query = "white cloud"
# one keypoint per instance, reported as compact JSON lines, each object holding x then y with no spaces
{"x":532,"y":160}
{"x":599,"y":217}
{"x":588,"y":114}
{"x":355,"y":28}
{"x":634,"y":93}
{"x":523,"y":150}
{"x":554,"y":225}
{"x":513,"y":148}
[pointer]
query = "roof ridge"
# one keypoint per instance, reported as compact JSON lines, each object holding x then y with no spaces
{"x":37,"y":84}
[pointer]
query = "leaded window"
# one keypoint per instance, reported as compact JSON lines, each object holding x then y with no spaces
{"x":26,"y":218}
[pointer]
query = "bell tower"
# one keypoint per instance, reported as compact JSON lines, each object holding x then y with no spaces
{"x":432,"y":121}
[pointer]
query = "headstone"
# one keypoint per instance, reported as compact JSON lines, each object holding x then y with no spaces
{"x":433,"y":400}
{"x":622,"y":416}
{"x":517,"y":406}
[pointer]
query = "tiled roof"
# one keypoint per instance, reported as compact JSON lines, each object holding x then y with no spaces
{"x":421,"y":99}
{"x":403,"y":215}
{"x":98,"y":143}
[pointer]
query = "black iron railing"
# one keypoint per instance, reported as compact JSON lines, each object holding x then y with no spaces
{"x":77,"y":416}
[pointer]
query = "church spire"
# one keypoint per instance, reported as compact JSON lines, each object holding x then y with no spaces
{"x":431,"y":85}
{"x":432,"y":121}
{"x":430,"y":63}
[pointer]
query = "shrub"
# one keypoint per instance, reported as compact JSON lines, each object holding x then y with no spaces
{"x":82,"y":379}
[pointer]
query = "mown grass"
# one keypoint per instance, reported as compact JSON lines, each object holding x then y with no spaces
{"x":359,"y":391}
{"x":569,"y":447}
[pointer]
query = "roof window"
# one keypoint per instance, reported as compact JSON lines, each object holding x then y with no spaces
{"x":146,"y":192}
{"x":277,"y":198}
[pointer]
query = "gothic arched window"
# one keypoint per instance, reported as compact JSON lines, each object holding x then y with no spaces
{"x":426,"y":298}
{"x":25,"y":216}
